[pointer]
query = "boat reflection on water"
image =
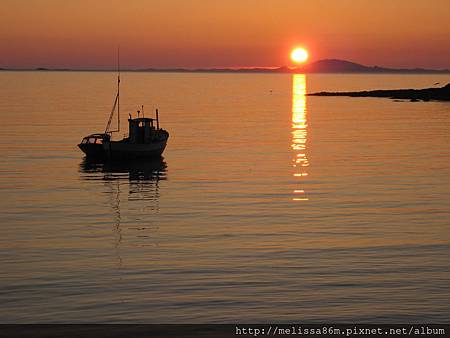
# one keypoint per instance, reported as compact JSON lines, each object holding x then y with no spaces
{"x":299,"y":134}
{"x":142,"y":176}
{"x":133,"y":191}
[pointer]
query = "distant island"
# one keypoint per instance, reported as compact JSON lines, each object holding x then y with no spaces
{"x":342,"y":66}
{"x":427,"y":94}
{"x":321,"y":66}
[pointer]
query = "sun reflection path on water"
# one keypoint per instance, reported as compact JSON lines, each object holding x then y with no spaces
{"x":299,"y":133}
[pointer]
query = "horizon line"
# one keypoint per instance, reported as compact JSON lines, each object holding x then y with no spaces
{"x":357,"y":67}
{"x":277,"y":70}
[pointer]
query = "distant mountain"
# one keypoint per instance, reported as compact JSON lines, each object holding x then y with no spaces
{"x":342,"y":66}
{"x":334,"y":66}
{"x":321,"y":66}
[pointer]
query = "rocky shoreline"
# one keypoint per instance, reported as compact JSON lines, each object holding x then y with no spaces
{"x":426,"y":94}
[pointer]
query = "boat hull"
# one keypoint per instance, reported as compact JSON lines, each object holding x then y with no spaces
{"x":120,"y":149}
{"x":92,"y":150}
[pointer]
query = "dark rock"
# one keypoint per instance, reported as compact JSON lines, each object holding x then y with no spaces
{"x":414,"y":95}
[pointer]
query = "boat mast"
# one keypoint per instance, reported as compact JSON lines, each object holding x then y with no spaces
{"x":118,"y":88}
{"x":116,"y":101}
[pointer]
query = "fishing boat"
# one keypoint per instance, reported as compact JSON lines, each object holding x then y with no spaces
{"x":145,"y":138}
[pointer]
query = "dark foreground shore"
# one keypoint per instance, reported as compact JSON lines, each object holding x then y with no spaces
{"x":426,"y":94}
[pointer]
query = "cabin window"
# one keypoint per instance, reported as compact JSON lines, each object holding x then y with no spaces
{"x":84,"y":141}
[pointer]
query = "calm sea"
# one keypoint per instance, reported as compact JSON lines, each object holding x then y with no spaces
{"x":269,"y":205}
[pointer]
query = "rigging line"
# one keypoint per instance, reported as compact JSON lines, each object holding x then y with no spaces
{"x":111,"y":115}
{"x":116,"y":101}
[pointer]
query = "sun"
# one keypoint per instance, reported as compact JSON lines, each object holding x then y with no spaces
{"x":299,"y":55}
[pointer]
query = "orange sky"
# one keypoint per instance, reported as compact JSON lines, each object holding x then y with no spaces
{"x":216,"y":33}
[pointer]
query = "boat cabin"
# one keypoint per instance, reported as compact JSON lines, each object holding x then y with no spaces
{"x":142,"y":130}
{"x":95,"y":139}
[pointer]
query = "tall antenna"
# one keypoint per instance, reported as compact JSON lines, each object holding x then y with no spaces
{"x":118,"y":88}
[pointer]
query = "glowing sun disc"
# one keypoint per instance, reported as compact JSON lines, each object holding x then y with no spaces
{"x":299,"y":55}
